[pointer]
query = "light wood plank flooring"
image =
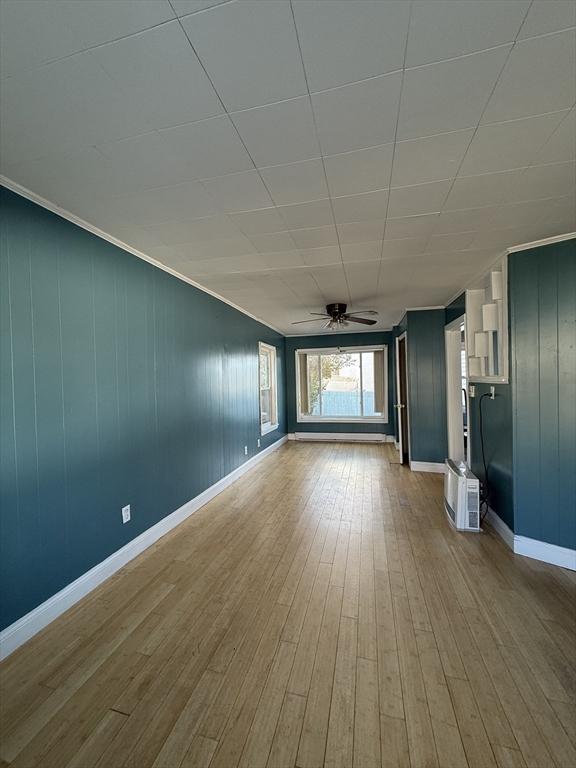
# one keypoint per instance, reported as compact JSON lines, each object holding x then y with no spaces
{"x":320,"y":612}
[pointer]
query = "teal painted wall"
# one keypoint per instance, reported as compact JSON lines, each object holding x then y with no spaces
{"x":120,"y":385}
{"x":336,"y":340}
{"x":497,"y":418}
{"x":542,"y":286}
{"x":427,"y":385}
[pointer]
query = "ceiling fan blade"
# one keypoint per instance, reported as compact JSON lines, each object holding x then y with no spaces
{"x":362,"y":320}
{"x":306,"y":321}
{"x":364,"y":312}
{"x":320,"y":314}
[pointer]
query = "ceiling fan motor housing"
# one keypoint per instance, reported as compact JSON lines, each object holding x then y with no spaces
{"x":336,"y":310}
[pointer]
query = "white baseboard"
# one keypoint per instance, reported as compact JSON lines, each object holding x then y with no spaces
{"x":538,"y":550}
{"x":548,"y":553}
{"x":427,"y":466}
{"x":501,"y":528}
{"x":343,"y":437}
{"x":22,"y":630}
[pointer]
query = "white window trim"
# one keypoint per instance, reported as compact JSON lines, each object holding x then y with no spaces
{"x":268,"y":427}
{"x":341,"y":419}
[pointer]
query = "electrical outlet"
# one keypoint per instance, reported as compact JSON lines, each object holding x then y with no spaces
{"x":492,"y":393}
{"x":258,"y":442}
{"x":126,"y":514}
{"x":472,"y":390}
{"x":245,"y":450}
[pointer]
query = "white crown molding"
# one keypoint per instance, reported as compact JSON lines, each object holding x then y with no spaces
{"x":63,"y":213}
{"x":424,"y":309}
{"x":544,"y":241}
{"x":512,"y":249}
{"x":29,"y":625}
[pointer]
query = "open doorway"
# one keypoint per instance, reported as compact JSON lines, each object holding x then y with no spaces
{"x":457,"y":391}
{"x":402,"y":400}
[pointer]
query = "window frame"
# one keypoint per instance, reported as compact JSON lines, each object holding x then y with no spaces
{"x":268,"y":426}
{"x":310,"y":419}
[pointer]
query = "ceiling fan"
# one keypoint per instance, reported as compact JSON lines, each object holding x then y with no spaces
{"x":339,"y":318}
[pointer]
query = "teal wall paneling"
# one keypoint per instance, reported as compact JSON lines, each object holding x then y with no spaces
{"x":335,"y":340}
{"x":427,"y":385}
{"x":542,"y":284}
{"x":120,"y":384}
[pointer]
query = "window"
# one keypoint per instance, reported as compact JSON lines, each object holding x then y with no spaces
{"x":342,"y":384}
{"x":268,"y":392}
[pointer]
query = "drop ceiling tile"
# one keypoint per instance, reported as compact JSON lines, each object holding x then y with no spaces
{"x":544,"y":181}
{"x":410,"y":226}
{"x":332,"y":281}
{"x":352,"y":252}
{"x":479,"y":191}
{"x":198,"y":230}
{"x":31,"y":34}
{"x":408,"y":246}
{"x":296,"y":182}
{"x":448,"y":96}
{"x":158,"y":70}
{"x":561,"y":145}
{"x":209,"y":148}
{"x":259,"y":222}
{"x":444,"y":29}
{"x":343,"y":42}
{"x":307,"y":215}
{"x":524,"y":214}
{"x":238,"y":192}
{"x":313,"y":257}
{"x":64,"y":106}
{"x":213,"y":249}
{"x":547,"y":16}
{"x":421,"y":198}
{"x":273,"y":242}
{"x":362,"y":170}
{"x":465,"y":220}
{"x":513,"y":144}
{"x":154,"y":206}
{"x":314,"y":238}
{"x":534,"y":80}
{"x":457,"y":241}
{"x":500,"y":239}
{"x":250,"y":51}
{"x":279,"y":133}
{"x":230,"y":265}
{"x":186,"y":7}
{"x":366,"y":207}
{"x":358,"y":115}
{"x":147,"y":161}
{"x":429,"y":159}
{"x":361,"y":231}
{"x":282,"y":259}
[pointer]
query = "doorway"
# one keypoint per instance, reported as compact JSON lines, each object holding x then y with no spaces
{"x":402,"y":400}
{"x":457,"y":391}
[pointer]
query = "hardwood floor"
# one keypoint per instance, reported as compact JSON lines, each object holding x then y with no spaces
{"x":320,"y":612}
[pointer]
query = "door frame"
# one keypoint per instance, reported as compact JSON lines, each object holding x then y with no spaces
{"x":457,"y":451}
{"x":398,"y":339}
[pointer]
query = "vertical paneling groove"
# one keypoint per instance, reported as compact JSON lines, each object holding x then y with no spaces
{"x":113,"y":392}
{"x":543,"y":334}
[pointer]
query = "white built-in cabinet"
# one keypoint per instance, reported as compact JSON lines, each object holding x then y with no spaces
{"x":487,"y":327}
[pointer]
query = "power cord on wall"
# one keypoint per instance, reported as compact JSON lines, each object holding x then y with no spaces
{"x":485,"y":490}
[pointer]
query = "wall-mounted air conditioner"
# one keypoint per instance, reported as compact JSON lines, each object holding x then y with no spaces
{"x":461,"y":496}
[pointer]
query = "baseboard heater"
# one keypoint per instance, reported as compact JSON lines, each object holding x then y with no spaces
{"x":461,"y":496}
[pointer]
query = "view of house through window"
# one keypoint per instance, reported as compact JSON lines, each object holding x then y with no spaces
{"x":341,"y":385}
{"x":268,"y":393}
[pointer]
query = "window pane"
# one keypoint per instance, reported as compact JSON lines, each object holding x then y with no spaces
{"x":265,"y":406}
{"x":264,"y":370}
{"x":341,"y":384}
{"x":314,"y":385}
{"x":368,"y":384}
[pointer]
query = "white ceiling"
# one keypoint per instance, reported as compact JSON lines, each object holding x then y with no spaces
{"x":285,"y":155}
